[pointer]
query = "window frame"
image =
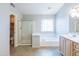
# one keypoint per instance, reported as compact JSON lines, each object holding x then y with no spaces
{"x":54,"y":24}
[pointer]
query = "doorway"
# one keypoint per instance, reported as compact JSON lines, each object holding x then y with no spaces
{"x":26,"y":32}
{"x":12,"y":26}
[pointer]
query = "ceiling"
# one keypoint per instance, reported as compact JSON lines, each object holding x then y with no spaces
{"x":38,"y":8}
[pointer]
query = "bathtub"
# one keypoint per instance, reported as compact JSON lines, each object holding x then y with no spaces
{"x":49,"y":39}
{"x":45,"y":39}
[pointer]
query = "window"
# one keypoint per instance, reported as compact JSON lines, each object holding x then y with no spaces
{"x":47,"y":25}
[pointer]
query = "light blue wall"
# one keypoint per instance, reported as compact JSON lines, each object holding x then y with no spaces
{"x":4,"y":29}
{"x":62,"y":18}
{"x":37,"y":21}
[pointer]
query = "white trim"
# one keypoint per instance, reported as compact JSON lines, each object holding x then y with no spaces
{"x":18,"y":16}
{"x":49,"y":46}
{"x":24,"y":44}
{"x":15,"y":29}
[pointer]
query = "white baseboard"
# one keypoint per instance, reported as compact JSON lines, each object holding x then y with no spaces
{"x":24,"y":44}
{"x":50,"y":44}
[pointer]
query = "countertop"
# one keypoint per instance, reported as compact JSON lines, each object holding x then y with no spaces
{"x":71,"y":36}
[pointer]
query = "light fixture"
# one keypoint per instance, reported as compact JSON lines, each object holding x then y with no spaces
{"x":77,"y":9}
{"x":75,"y":12}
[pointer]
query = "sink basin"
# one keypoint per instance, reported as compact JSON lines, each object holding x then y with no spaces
{"x":73,"y":34}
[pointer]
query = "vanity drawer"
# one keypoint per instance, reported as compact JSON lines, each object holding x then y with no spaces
{"x":76,"y":49}
{"x":77,"y":54}
{"x":76,"y":45}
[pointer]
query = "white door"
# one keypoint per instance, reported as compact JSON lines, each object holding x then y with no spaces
{"x":26,"y":32}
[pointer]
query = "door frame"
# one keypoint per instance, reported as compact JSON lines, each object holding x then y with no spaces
{"x":14,"y":27}
{"x":15,"y":31}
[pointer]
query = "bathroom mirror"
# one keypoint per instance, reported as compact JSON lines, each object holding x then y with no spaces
{"x":74,"y":19}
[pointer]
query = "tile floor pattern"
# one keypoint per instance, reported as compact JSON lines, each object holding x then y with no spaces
{"x":29,"y":51}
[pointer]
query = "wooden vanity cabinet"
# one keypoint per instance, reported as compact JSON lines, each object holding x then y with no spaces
{"x":66,"y":46}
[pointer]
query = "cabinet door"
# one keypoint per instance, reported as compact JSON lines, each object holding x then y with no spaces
{"x":77,"y":53}
{"x":68,"y":47}
{"x":62,"y":45}
{"x":35,"y":41}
